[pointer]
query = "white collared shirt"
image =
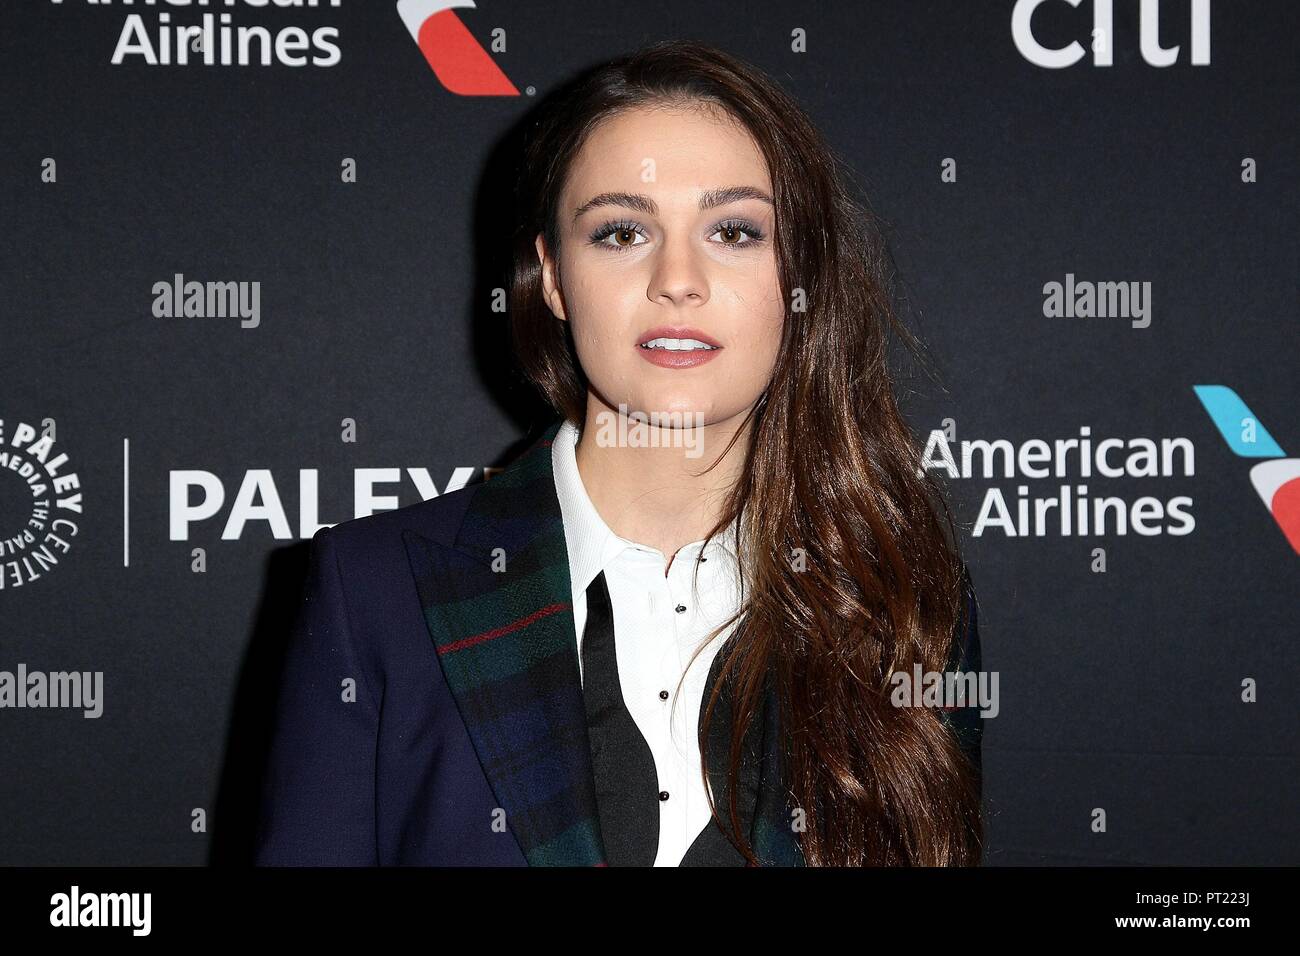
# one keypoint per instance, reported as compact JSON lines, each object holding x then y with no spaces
{"x":653,"y":639}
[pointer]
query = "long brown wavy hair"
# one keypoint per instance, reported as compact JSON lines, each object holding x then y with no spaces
{"x":832,"y":473}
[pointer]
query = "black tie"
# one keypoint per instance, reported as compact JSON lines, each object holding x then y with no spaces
{"x":627,"y":783}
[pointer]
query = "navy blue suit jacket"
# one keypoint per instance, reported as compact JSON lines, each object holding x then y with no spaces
{"x":392,"y":779}
{"x":426,"y":699}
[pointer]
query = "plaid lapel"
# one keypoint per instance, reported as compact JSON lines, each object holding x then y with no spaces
{"x":506,"y":643}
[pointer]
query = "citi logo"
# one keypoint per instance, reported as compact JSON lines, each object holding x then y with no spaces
{"x":1277,"y":480}
{"x":1103,"y":39}
{"x":457,"y":59}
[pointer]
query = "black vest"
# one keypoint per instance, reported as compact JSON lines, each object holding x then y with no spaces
{"x":627,"y":785}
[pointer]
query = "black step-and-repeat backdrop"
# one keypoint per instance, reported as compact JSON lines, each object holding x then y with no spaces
{"x":250,"y":260}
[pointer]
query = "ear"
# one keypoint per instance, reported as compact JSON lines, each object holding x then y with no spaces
{"x":550,"y":287}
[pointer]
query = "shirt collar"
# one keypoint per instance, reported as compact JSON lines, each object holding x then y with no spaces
{"x":591,"y":544}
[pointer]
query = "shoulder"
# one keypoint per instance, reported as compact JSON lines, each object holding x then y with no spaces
{"x":362,"y":591}
{"x":439,"y":518}
{"x":374,"y":542}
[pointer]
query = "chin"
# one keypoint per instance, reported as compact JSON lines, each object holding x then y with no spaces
{"x":688,"y":412}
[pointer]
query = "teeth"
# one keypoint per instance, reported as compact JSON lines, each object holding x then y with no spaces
{"x":677,"y":345}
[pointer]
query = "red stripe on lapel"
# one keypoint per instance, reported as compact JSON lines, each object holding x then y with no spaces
{"x":506,"y":629}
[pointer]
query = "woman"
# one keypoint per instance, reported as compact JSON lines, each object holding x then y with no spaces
{"x":730,"y":498}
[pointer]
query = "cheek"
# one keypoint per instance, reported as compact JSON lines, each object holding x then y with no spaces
{"x":597,"y":300}
{"x":760,"y":285}
{"x":764,"y":307}
{"x":599,"y":307}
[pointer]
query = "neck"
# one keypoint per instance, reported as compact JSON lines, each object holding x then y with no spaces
{"x":649,"y":487}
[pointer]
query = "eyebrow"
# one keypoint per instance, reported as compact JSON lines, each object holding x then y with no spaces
{"x":709,"y":199}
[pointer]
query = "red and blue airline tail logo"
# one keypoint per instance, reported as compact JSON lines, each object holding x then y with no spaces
{"x":456,"y":58}
{"x":1277,"y":481}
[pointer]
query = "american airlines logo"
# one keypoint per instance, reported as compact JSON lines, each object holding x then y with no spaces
{"x":1103,"y":40}
{"x":458,"y":60}
{"x":220,"y":38}
{"x":1275,"y":478}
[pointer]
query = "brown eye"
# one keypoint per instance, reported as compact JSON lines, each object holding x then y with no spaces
{"x":732,"y":230}
{"x":623,"y":234}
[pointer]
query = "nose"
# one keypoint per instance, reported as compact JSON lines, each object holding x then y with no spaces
{"x":678,"y":277}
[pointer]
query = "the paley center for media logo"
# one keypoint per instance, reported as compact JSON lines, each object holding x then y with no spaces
{"x":40,"y":503}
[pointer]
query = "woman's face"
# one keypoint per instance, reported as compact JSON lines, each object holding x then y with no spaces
{"x":638,"y":254}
